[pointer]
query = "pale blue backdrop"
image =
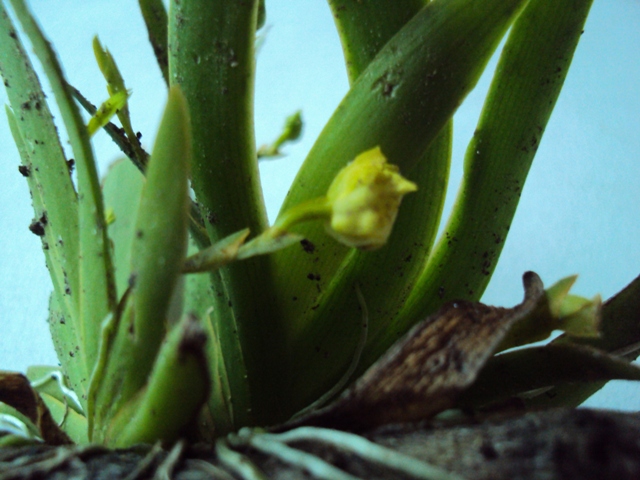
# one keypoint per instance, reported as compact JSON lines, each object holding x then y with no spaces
{"x":579,"y":211}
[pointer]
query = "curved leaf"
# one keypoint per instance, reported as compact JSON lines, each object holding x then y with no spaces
{"x":177,"y":387}
{"x":401,"y":102}
{"x":96,"y":288}
{"x":157,"y":255}
{"x":532,"y":69}
{"x":517,"y":373}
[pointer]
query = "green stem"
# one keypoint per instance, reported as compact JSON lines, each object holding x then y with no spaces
{"x":211,"y":56}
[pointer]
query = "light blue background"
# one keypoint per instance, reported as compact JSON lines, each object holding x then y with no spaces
{"x":579,"y":211}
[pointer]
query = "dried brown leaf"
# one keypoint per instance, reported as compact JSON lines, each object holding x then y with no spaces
{"x":422,"y":374}
{"x":16,"y":391}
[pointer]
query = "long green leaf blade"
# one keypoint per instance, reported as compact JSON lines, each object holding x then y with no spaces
{"x":385,"y":278}
{"x":52,"y":192}
{"x":365,"y":27}
{"x":158,"y":251}
{"x":156,"y":20}
{"x":43,"y":164}
{"x":527,"y":83}
{"x":522,"y":371}
{"x":96,"y":286}
{"x":401,"y":102}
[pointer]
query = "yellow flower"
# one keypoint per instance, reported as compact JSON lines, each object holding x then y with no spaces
{"x":364,"y":199}
{"x":360,"y":206}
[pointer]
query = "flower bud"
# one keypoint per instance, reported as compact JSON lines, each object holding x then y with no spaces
{"x":364,"y":199}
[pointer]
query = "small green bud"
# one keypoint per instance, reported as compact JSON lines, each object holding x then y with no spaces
{"x":290,"y":133}
{"x":364,"y":199}
{"x":107,"y":110}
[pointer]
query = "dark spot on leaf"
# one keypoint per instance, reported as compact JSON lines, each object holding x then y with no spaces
{"x":37,"y":228}
{"x":307,"y":246}
{"x":70,"y":164}
{"x":24,"y":170}
{"x":139,"y":234}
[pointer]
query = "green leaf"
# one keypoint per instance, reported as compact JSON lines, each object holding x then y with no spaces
{"x":157,"y":255}
{"x":71,"y":422}
{"x":51,"y":380}
{"x":388,"y":275}
{"x":217,"y":78}
{"x":230,"y":390}
{"x":96,"y":294}
{"x":522,"y":371}
{"x":365,"y":27}
{"x":156,"y":20}
{"x":385,"y":278}
{"x":67,"y":347}
{"x":122,"y":188}
{"x":107,"y":110}
{"x":160,"y":239}
{"x":228,"y":376}
{"x":620,"y":335}
{"x":532,"y":69}
{"x":45,"y":166}
{"x":391,"y":105}
{"x":177,"y":387}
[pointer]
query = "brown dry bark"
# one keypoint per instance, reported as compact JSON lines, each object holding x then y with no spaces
{"x":553,"y":444}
